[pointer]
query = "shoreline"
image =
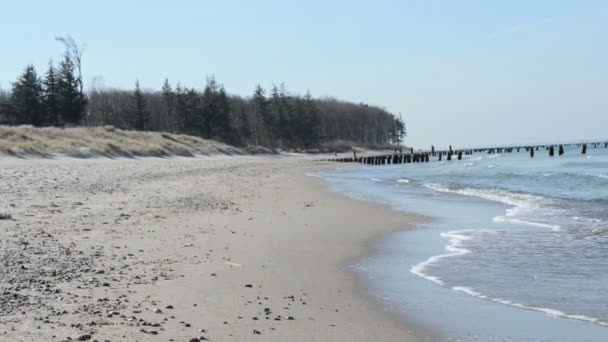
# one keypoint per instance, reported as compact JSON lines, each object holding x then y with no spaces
{"x":454,"y":309}
{"x":230,"y":247}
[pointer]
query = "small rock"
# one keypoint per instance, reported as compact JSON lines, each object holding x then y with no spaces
{"x":256,"y":332}
{"x":158,"y":311}
{"x":85,"y":337}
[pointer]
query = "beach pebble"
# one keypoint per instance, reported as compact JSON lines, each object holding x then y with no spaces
{"x":158,"y":311}
{"x":85,"y":337}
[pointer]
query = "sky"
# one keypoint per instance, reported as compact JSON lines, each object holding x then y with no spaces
{"x":465,"y":73}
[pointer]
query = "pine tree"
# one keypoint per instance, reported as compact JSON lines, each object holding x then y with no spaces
{"x":223,"y":123}
{"x":209,"y":109}
{"x":282,"y":114}
{"x":72,"y":102}
{"x":262,"y":117}
{"x":50,"y":96}
{"x":26,"y":98}
{"x":245,"y":131}
{"x":169,"y":101}
{"x":312,"y":121}
{"x":139,"y":109}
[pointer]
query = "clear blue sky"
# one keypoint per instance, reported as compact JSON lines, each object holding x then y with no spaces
{"x":460,"y":72}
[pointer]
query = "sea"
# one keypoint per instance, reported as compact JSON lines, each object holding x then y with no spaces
{"x":514,"y":249}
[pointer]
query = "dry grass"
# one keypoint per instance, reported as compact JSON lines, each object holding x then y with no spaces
{"x":86,"y":142}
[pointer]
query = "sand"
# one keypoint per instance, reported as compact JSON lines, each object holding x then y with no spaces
{"x":221,"y":248}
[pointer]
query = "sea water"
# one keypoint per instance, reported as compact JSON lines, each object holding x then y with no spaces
{"x":516,"y":248}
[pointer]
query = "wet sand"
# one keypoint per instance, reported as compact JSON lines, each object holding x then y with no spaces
{"x":219,"y":248}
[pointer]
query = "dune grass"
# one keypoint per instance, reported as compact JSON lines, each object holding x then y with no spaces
{"x":87,"y":142}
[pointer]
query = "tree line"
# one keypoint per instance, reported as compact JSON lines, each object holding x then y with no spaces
{"x":272,"y":118}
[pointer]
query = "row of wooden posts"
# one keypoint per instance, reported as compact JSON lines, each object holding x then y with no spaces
{"x":399,"y":157}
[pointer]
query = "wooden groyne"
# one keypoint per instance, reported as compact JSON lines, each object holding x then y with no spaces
{"x":398,"y":157}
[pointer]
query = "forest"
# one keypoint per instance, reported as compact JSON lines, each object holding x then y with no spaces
{"x":273,"y":118}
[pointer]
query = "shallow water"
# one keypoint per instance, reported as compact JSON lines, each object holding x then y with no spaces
{"x":517,"y":248}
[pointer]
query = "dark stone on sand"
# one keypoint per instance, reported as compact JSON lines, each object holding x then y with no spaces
{"x":256,"y":332}
{"x":169,"y":307}
{"x":249,"y":285}
{"x":85,"y":337}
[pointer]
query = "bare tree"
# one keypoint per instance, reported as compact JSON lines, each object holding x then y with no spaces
{"x":74,"y":52}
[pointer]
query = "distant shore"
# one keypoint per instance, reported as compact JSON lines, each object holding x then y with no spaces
{"x":220,"y":248}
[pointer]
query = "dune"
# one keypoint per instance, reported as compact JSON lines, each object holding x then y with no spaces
{"x":107,"y":141}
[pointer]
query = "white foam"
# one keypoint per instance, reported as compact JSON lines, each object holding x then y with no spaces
{"x":599,"y":175}
{"x":529,"y":223}
{"x":454,"y":248}
{"x":403,"y":180}
{"x":469,"y":291}
{"x":548,"y":311}
{"x":496,"y":195}
{"x":492,"y":156}
{"x":376,"y":179}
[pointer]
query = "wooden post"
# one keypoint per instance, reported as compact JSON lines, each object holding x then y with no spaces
{"x":531,"y":152}
{"x":551,"y":151}
{"x":459,"y":155}
{"x":440,"y":156}
{"x":450,"y":155}
{"x":561,"y":150}
{"x":584,"y":150}
{"x":433,"y":150}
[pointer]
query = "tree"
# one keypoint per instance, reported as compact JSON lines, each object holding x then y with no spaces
{"x":281,"y":113}
{"x":223,"y":126}
{"x":7,"y":112}
{"x":311,"y":121}
{"x":50,"y":96}
{"x":74,"y":52}
{"x":400,"y":130}
{"x":26,"y":98}
{"x":139,"y":109}
{"x":262,"y":118}
{"x":72,"y":102}
{"x":168,"y":97}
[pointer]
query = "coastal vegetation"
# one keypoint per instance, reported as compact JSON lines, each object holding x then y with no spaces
{"x":272,"y":118}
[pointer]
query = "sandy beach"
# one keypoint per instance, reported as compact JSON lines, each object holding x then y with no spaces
{"x":218,"y":248}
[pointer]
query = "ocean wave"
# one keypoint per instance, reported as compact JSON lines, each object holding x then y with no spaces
{"x":454,"y":248}
{"x":496,"y":195}
{"x":520,"y":204}
{"x":403,"y":180}
{"x":598,"y":175}
{"x":548,"y":311}
{"x":553,"y":227}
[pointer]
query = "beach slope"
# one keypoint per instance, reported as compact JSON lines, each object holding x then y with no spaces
{"x":225,"y":248}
